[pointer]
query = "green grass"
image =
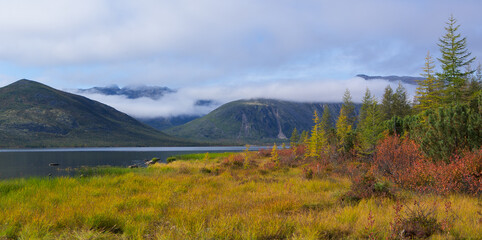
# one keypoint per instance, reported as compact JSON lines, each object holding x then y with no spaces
{"x":180,"y":200}
{"x":200,"y":156}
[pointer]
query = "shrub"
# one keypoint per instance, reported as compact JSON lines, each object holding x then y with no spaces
{"x":263,"y":153}
{"x":288,"y":158}
{"x":308,"y":173}
{"x":418,"y":221}
{"x":394,"y":156}
{"x":445,"y":131}
{"x":300,"y":150}
{"x":368,"y":186}
{"x":316,"y":169}
{"x":269,"y":166}
{"x":234,"y":161}
{"x":403,"y":163}
{"x":461,"y":175}
{"x":170,"y":159}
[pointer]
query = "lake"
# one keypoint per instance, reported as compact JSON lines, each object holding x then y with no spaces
{"x":15,"y":163}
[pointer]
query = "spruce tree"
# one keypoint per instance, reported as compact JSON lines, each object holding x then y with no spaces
{"x":344,"y":124}
{"x":349,"y":107}
{"x":455,"y":57}
{"x":429,"y":90}
{"x":387,"y":103}
{"x":326,"y":119}
{"x":343,"y":130}
{"x":400,"y":104}
{"x":369,"y":127}
{"x":474,"y":86}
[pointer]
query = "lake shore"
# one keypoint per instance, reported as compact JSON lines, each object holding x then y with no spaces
{"x":26,"y":163}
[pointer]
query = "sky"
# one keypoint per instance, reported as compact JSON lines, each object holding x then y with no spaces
{"x":303,"y":50}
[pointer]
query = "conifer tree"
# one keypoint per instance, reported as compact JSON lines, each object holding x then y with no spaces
{"x":474,"y":86}
{"x":326,"y":119}
{"x":314,"y":144}
{"x":455,"y":57}
{"x":429,"y":91}
{"x":400,"y":104}
{"x":478,"y":73}
{"x":448,"y":130}
{"x":304,"y":137}
{"x":345,"y":124}
{"x":387,"y":103}
{"x":369,"y":127}
{"x":349,"y":107}
{"x":318,"y":142}
{"x":343,"y":130}
{"x":295,"y":137}
{"x":395,"y":104}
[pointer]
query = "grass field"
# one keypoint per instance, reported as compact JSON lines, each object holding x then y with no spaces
{"x":210,"y":198}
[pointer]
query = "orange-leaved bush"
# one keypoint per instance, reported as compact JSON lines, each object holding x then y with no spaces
{"x":394,"y":156}
{"x":403,"y":163}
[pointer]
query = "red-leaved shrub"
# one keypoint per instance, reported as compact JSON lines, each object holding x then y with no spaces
{"x":262,"y":153}
{"x":394,"y":157}
{"x":404,"y":164}
{"x":234,"y":161}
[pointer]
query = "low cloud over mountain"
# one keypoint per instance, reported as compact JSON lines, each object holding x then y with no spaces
{"x":202,"y":100}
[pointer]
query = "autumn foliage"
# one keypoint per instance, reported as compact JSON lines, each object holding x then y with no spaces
{"x":403,"y":163}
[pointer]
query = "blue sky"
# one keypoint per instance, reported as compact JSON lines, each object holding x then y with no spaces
{"x":225,"y":44}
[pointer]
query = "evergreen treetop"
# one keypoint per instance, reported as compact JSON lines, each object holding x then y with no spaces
{"x":455,"y":57}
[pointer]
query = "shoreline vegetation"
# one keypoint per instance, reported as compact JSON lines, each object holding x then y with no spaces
{"x":268,"y":194}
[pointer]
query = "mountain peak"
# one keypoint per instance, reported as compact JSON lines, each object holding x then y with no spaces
{"x":24,"y":81}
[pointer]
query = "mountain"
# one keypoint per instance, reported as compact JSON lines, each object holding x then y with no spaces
{"x":404,"y":79}
{"x":131,"y":92}
{"x":254,"y":121}
{"x":35,"y":115}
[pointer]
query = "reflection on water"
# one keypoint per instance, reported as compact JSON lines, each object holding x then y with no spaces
{"x":36,"y":162}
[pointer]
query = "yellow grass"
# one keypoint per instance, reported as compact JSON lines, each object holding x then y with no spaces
{"x":182,"y":200}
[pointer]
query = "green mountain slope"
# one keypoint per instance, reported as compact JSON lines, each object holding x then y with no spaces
{"x":253,"y":121}
{"x":35,"y":115}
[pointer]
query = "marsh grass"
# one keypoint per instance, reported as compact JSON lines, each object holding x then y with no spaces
{"x":202,"y":199}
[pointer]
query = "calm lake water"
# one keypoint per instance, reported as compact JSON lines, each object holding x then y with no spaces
{"x":35,"y":162}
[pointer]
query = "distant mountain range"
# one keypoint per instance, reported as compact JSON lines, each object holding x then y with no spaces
{"x":404,"y":79}
{"x":131,"y":92}
{"x":254,"y":121}
{"x":35,"y":115}
{"x":157,"y":92}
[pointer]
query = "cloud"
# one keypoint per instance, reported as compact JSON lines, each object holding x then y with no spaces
{"x":199,"y":42}
{"x":183,"y":101}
